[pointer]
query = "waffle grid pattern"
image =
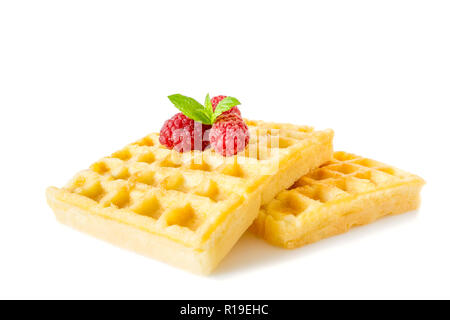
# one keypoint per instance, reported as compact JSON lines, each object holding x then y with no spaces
{"x":183,"y":195}
{"x":345,"y":176}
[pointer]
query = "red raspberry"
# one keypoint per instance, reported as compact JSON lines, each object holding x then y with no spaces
{"x":215,"y":100}
{"x":184,"y":134}
{"x":229,"y":134}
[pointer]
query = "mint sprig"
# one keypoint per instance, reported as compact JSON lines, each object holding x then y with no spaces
{"x":205,"y":114}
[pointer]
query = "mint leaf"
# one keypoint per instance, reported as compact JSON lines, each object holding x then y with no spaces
{"x":208,"y":104}
{"x":225,"y":105}
{"x":191,"y":108}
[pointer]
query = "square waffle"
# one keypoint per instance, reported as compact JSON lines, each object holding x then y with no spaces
{"x":348,"y":191}
{"x":187,"y":209}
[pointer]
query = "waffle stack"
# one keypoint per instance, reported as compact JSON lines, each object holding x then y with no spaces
{"x":187,"y":209}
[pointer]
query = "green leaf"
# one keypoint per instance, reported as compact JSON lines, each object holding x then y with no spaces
{"x":225,"y":105}
{"x":191,"y":108}
{"x":208,"y":104}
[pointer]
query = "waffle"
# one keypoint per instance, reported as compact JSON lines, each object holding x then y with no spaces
{"x":187,"y":209}
{"x":348,"y":191}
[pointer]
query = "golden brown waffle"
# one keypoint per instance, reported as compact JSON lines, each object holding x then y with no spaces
{"x":348,"y":191}
{"x":187,"y":209}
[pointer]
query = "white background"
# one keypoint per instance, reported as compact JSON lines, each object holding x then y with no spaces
{"x":80,"y":79}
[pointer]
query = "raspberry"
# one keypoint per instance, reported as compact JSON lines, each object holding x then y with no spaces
{"x":229,"y":134}
{"x":215,"y":100}
{"x":184,"y":134}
